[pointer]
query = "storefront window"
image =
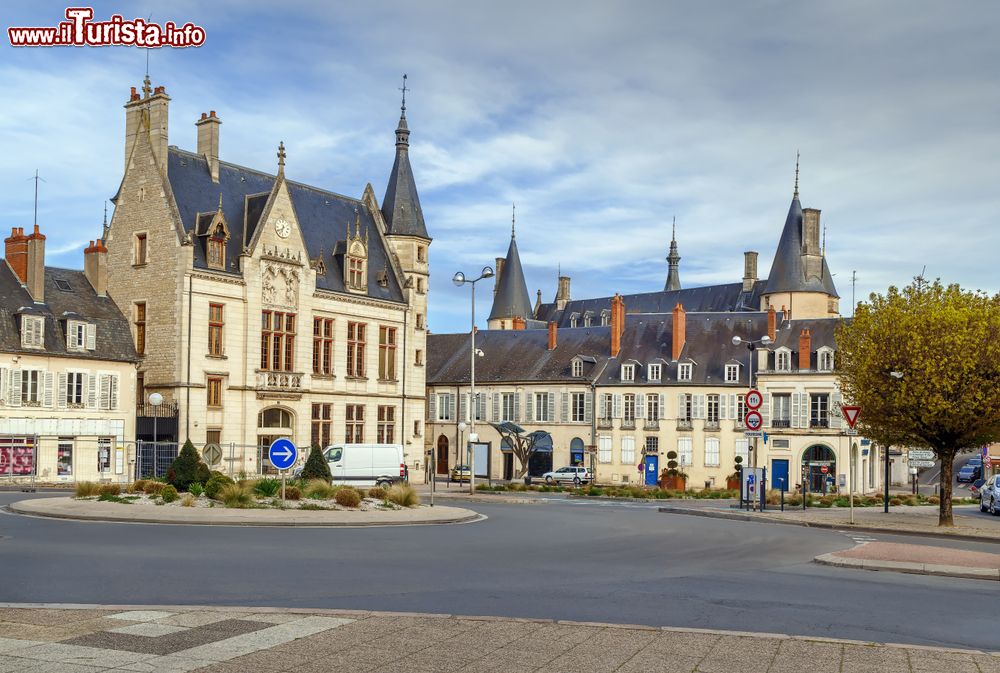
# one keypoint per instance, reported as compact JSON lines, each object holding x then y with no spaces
{"x":64,"y":457}
{"x":104,"y":454}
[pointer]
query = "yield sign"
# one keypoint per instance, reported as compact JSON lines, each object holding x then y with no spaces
{"x":851,"y":415}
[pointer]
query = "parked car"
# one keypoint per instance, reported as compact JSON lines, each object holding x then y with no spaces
{"x":975,"y":486}
{"x":567,"y":475}
{"x":969,"y":472}
{"x":460,"y":473}
{"x":989,"y":496}
{"x":366,"y":464}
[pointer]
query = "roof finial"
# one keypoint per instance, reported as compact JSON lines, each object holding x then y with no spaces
{"x":105,"y":215}
{"x":220,"y":202}
{"x":673,"y":235}
{"x":281,"y":157}
{"x":824,"y":239}
{"x":513,"y":209}
{"x":796,"y":194}
{"x":403,"y":88}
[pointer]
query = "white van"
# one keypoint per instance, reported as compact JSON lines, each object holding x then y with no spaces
{"x":366,"y":464}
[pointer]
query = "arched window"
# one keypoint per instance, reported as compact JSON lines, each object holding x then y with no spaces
{"x":274,"y":418}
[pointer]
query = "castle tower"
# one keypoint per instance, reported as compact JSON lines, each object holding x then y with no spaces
{"x":510,"y":299}
{"x":674,"y":262}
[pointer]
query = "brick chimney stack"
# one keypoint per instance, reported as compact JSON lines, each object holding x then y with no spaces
{"x":95,"y":266}
{"x":749,"y":270}
{"x":208,"y":142}
{"x":617,"y":324}
{"x":805,"y":349}
{"x":16,"y":253}
{"x":680,"y":331}
{"x":772,"y":323}
{"x":518,"y":323}
{"x":36,"y":266}
{"x":553,"y":332}
{"x":144,"y":114}
{"x":499,"y":273}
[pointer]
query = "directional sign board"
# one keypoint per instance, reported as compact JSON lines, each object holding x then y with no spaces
{"x":753,"y":421}
{"x":282,"y":453}
{"x":920,"y":454}
{"x":921,"y":463}
{"x":851,"y":415}
{"x":753,"y":399}
{"x":212,"y":454}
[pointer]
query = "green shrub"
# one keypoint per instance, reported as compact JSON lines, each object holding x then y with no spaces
{"x":187,"y":468}
{"x":236,"y":496}
{"x":895,"y":501}
{"x":378,"y":493}
{"x":85,"y":489}
{"x":793,"y":500}
{"x":319,"y":489}
{"x":826,"y":501}
{"x":403,"y":495}
{"x":108,"y":497}
{"x":268,"y":487}
{"x":169,"y":494}
{"x":348,"y":497}
{"x":216,"y":483}
{"x":188,"y":500}
{"x":911,"y":501}
{"x":316,"y":466}
{"x":842,"y":501}
{"x":196,"y":489}
{"x":312,"y":506}
{"x":594,"y":491}
{"x":483,"y":487}
{"x":153,"y":487}
{"x":109,"y":489}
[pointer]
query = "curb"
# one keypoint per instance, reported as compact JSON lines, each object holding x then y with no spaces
{"x":961,"y":572}
{"x":734,"y":516}
{"x":362,"y":614}
{"x":465,"y":518}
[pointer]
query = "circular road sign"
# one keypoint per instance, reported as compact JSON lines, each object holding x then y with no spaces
{"x":212,"y":454}
{"x":754,"y":399}
{"x":824,"y":469}
{"x":753,"y":421}
{"x":282,"y":453}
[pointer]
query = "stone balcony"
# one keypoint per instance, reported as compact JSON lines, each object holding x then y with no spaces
{"x":279,"y":384}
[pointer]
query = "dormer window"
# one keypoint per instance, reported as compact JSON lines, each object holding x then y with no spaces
{"x":628,"y":372}
{"x":824,"y":360}
{"x":32,"y":331}
{"x":783,"y":360}
{"x":684,"y":371}
{"x":732,"y":373}
{"x":574,"y":318}
{"x":217,"y":249}
{"x":80,"y":336}
{"x":577,"y":368}
{"x":654,"y":372}
{"x":605,"y":318}
{"x":356,"y":259}
{"x":587,"y":318}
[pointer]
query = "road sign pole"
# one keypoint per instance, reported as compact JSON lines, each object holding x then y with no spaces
{"x":886,"y":505}
{"x":283,"y":487}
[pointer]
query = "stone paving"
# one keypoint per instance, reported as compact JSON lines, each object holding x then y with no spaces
{"x":217,"y":640}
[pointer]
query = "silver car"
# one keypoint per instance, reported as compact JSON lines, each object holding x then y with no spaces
{"x":567,"y":475}
{"x":989,"y":496}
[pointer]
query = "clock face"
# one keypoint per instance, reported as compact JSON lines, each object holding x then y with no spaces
{"x":282,"y":228}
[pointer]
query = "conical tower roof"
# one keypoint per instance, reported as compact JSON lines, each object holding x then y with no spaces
{"x":788,"y":270}
{"x":512,"y":299}
{"x":401,"y":205}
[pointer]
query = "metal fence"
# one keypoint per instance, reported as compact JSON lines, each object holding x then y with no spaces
{"x":152,"y":459}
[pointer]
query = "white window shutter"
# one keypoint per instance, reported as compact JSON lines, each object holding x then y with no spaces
{"x":765,"y":410}
{"x":47,"y":395}
{"x":91,"y":390}
{"x":588,"y":408}
{"x":61,"y":393}
{"x":699,"y":406}
{"x":732,"y":407}
{"x":662,"y":411}
{"x":640,"y":406}
{"x":681,"y":406}
{"x":451,"y":407}
{"x":835,"y":414}
{"x":517,"y":408}
{"x":114,"y":392}
{"x":91,"y":331}
{"x":432,"y":406}
{"x":616,"y":410}
{"x":530,"y":411}
{"x":804,"y":411}
{"x":463,"y":407}
{"x":4,"y":386}
{"x":565,"y":408}
{"x":14,"y":398}
{"x":552,"y":407}
{"x":723,"y":408}
{"x":105,"y":387}
{"x":795,"y":411}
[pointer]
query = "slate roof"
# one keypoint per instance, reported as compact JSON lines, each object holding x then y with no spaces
{"x":114,"y":337}
{"x":710,"y":298}
{"x":323,"y":217}
{"x":511,"y":298}
{"x":513,"y":356}
{"x":401,"y":205}
{"x":787,"y":273}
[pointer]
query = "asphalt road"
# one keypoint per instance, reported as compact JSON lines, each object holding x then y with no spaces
{"x":568,"y":560}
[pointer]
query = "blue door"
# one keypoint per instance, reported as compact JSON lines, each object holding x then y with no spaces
{"x":652,"y":463}
{"x":779,"y":470}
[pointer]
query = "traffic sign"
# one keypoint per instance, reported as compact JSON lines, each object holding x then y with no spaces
{"x":921,"y":463}
{"x":754,"y":433}
{"x":639,"y":466}
{"x":212,"y":454}
{"x":282,"y":453}
{"x":824,"y":469}
{"x":753,"y":420}
{"x":753,"y":399}
{"x":851,"y":415}
{"x":920,"y":454}
{"x":987,"y":461}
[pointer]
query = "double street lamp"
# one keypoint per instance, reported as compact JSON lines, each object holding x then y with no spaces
{"x":459,"y":279}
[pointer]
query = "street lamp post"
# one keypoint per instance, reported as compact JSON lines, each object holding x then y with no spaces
{"x":458,"y":448}
{"x":156,"y":399}
{"x":752,"y":346}
{"x":459,"y":280}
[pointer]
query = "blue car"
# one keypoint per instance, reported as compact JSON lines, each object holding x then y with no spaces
{"x":969,"y":472}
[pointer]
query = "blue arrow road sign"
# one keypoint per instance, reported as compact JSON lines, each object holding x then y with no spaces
{"x":282,"y":453}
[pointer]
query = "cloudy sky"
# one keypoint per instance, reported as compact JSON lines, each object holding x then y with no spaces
{"x":601,"y":120}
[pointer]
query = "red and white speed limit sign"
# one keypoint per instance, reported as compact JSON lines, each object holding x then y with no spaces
{"x":754,"y":399}
{"x":753,"y":420}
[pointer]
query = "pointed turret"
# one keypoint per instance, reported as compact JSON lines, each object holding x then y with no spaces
{"x":674,"y":262}
{"x":511,"y":299}
{"x":401,"y":205}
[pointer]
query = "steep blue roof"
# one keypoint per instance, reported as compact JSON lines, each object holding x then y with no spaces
{"x":511,"y":299}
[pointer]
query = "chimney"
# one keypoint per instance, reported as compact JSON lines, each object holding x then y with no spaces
{"x":36,"y":266}
{"x":680,"y":331}
{"x":499,"y":274}
{"x":95,"y":266}
{"x":749,"y":270}
{"x":208,"y":141}
{"x":16,"y":253}
{"x":552,"y":335}
{"x":616,"y":335}
{"x":810,"y":231}
{"x":805,"y":349}
{"x":772,"y":323}
{"x":562,"y":293}
{"x":786,"y":314}
{"x":518,"y":323}
{"x":147,"y":114}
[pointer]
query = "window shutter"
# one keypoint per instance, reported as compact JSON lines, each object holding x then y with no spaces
{"x":565,"y":408}
{"x":114,"y":391}
{"x":681,"y":406}
{"x":765,"y":410}
{"x":432,"y":406}
{"x":699,"y":406}
{"x":601,"y":408}
{"x":662,"y":411}
{"x":835,"y":414}
{"x":91,"y":331}
{"x":723,"y":408}
{"x":616,"y":406}
{"x":796,"y":423}
{"x":451,"y":407}
{"x":530,"y":411}
{"x":640,"y":406}
{"x":496,"y":407}
{"x":4,"y":386}
{"x":588,"y":408}
{"x":552,"y":406}
{"x":14,"y":399}
{"x":105,"y":382}
{"x":517,"y":408}
{"x":47,"y":395}
{"x":61,"y":393}
{"x":91,"y":390}
{"x":732,"y":407}
{"x":804,"y":410}
{"x":463,"y":407}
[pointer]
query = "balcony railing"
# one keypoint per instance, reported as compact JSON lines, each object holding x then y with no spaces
{"x":684,"y":424}
{"x":651,"y":424}
{"x":819,"y":422}
{"x":604,"y":423}
{"x":628,"y":424}
{"x":281,"y":381}
{"x":712,"y":426}
{"x":165,"y":410}
{"x":781,"y":423}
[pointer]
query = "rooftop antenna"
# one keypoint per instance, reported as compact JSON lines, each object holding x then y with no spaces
{"x":36,"y":179}
{"x":796,"y":194}
{"x":824,"y":240}
{"x":403,"y":88}
{"x":145,"y":86}
{"x":854,"y":282}
{"x":513,"y":210}
{"x":673,"y":234}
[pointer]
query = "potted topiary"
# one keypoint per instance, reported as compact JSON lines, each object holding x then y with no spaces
{"x":672,"y":479}
{"x":733,"y":480}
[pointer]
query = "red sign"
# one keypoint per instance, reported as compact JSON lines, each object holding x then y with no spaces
{"x":753,"y":399}
{"x":851,"y":415}
{"x":753,"y":420}
{"x":824,"y":469}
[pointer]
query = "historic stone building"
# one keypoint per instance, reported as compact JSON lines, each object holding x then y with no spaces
{"x":620,"y":381}
{"x":67,"y":368}
{"x":263,"y":307}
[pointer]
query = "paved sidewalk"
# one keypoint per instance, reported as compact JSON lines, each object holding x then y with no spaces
{"x":90,"y":510}
{"x":917,"y":559}
{"x":93,"y":639}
